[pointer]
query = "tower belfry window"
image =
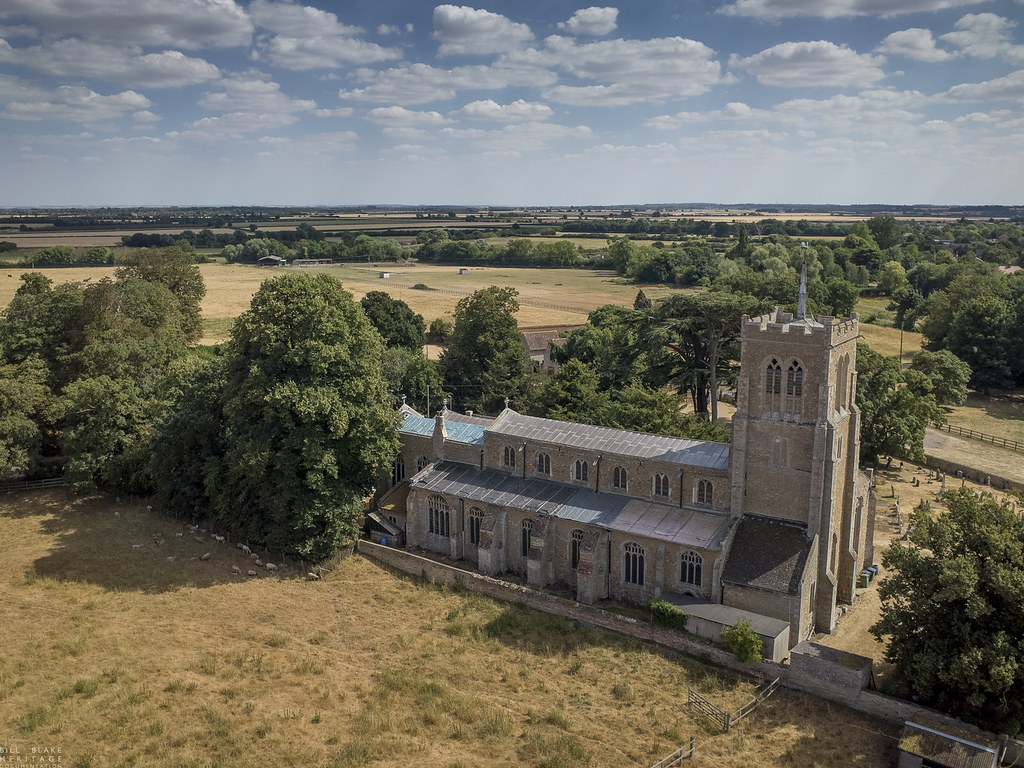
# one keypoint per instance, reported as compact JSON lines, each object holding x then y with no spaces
{"x":795,"y":380}
{"x":773,"y":378}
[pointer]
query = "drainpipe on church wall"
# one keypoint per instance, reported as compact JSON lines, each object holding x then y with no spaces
{"x":597,"y":474}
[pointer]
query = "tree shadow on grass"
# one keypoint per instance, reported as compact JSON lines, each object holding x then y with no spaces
{"x":123,"y":546}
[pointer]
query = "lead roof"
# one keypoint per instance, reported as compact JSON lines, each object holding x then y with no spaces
{"x":637,"y":517}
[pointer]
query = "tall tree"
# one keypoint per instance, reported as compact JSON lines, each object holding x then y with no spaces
{"x":486,"y":358}
{"x":701,"y":330}
{"x":896,"y":407}
{"x":948,"y":373}
{"x":953,"y":610}
{"x":394,"y":320}
{"x":175,"y":269}
{"x":307,"y":417}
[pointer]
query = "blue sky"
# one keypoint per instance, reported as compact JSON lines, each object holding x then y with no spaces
{"x":534,"y":102}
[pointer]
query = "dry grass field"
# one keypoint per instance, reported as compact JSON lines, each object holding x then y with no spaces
{"x":122,"y":656}
{"x":1000,"y":414}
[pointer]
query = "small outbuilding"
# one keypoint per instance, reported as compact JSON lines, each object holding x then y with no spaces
{"x":270,"y":261}
{"x":924,"y":747}
{"x":463,"y":271}
{"x":384,"y":275}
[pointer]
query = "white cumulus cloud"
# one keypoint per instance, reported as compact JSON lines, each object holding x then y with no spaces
{"x":309,"y":38}
{"x":985,"y":36}
{"x":631,"y":71}
{"x":1008,"y":88}
{"x":488,"y":109}
{"x":464,"y":30}
{"x":174,"y":23}
{"x":22,"y":101}
{"x":591,"y":21}
{"x":400,"y":117}
{"x":76,"y":58}
{"x":253,"y":92}
{"x":812,"y":64}
{"x":832,"y":9}
{"x":914,"y":43}
{"x":422,"y":83}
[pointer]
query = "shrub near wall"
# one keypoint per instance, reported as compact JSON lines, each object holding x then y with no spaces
{"x":665,"y":614}
{"x":743,"y":642}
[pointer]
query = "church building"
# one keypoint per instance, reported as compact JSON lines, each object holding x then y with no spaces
{"x":775,"y":526}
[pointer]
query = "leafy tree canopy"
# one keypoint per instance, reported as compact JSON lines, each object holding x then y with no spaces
{"x":896,"y":407}
{"x":485,"y":358}
{"x":948,"y":373}
{"x":394,"y":320}
{"x":953,"y":610}
{"x":307,"y":418}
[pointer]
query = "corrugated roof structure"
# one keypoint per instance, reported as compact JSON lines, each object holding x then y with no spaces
{"x":678,"y":525}
{"x":694,"y":453}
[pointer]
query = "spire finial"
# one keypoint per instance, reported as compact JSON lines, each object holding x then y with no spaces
{"x":506,"y":402}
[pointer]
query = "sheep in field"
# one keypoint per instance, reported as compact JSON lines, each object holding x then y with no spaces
{"x":245,"y":549}
{"x":252,"y":572}
{"x":235,"y":570}
{"x":271,"y":567}
{"x":205,"y":557}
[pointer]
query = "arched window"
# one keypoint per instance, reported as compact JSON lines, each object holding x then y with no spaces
{"x":620,"y":479}
{"x":660,"y":484}
{"x":843,"y":383}
{"x":580,"y":470}
{"x":509,"y":459}
{"x":795,"y":380}
{"x":705,"y":492}
{"x":773,"y":378}
{"x":421,"y":463}
{"x":577,"y":537}
{"x":543,"y":464}
{"x":690,"y":571}
{"x":438,"y":516}
{"x":527,"y":530}
{"x":835,"y":552}
{"x":476,"y":515}
{"x":633,"y":564}
{"x":397,"y":470}
{"x":839,"y":447}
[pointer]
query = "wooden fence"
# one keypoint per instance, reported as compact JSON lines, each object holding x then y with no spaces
{"x":721,"y":718}
{"x":704,"y":707}
{"x":1013,"y":445}
{"x":677,"y":757}
{"x":13,"y":486}
{"x":751,"y":705}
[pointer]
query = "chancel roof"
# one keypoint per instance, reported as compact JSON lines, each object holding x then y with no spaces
{"x":678,"y":525}
{"x":769,"y":555}
{"x":695,"y":453}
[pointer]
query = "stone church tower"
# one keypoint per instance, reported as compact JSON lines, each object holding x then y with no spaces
{"x":795,"y":448}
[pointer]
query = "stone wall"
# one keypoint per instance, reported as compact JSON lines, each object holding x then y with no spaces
{"x":976,"y":475}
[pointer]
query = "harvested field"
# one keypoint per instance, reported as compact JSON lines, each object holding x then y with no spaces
{"x":119,"y":656}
